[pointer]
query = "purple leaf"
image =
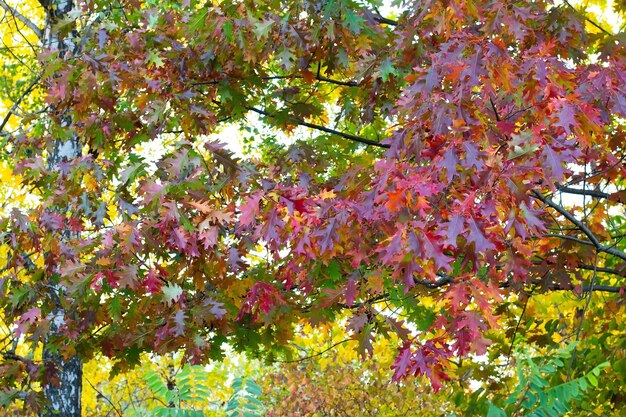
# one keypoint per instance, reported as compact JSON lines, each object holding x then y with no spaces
{"x":179,"y":323}
{"x":477,"y":236}
{"x":553,"y":163}
{"x":455,"y":226}
{"x":449,"y":162}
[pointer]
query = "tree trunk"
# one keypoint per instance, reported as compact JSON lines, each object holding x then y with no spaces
{"x":63,"y":400}
{"x":63,"y":397}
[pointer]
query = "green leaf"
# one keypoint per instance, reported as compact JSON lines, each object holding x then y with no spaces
{"x":494,"y":411}
{"x":250,"y":406}
{"x":155,"y":59}
{"x":262,"y":28}
{"x":232,"y":405}
{"x":592,"y":380}
{"x":227,"y":31}
{"x":171,"y":292}
{"x":286,"y":58}
{"x":237,"y":384}
{"x":353,"y":22}
{"x":253,"y":388}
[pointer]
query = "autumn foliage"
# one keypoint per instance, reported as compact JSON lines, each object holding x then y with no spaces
{"x":420,"y":177}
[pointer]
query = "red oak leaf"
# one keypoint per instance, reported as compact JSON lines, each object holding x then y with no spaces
{"x":250,"y":209}
{"x":179,"y":323}
{"x":351,"y":292}
{"x":152,"y":283}
{"x":476,"y":236}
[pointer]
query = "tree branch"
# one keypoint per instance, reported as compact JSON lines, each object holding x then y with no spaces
{"x":315,"y":354}
{"x":17,"y":103}
{"x":580,"y":191}
{"x":603,"y":269}
{"x":385,"y":21}
{"x":26,"y":21}
{"x":447,"y":279}
{"x":106,"y":398}
{"x":323,"y":129}
{"x":11,"y":355}
{"x":587,"y":19}
{"x":338,"y":82}
{"x":375,"y":16}
{"x":583,"y":313}
{"x":584,"y":229}
{"x":571,"y":238}
{"x":517,"y":326}
{"x":587,"y":288}
{"x":495,"y":111}
{"x":373,"y":300}
{"x":318,"y":77}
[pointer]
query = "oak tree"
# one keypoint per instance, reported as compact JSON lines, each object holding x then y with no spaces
{"x":426,"y":173}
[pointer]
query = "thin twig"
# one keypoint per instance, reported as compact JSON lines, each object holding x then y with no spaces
{"x":118,"y":412}
{"x":26,"y":21}
{"x":495,"y":111}
{"x":519,"y":322}
{"x":584,"y":229}
{"x":582,"y":316}
{"x":602,"y":269}
{"x":18,"y":101}
{"x":316,"y":354}
{"x":586,"y":18}
{"x":571,"y":238}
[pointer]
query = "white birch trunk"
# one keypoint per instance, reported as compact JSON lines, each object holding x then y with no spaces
{"x":64,"y":399}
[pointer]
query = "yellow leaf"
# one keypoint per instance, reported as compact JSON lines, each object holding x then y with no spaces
{"x":104,"y":262}
{"x":90,"y":182}
{"x":326,"y":194}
